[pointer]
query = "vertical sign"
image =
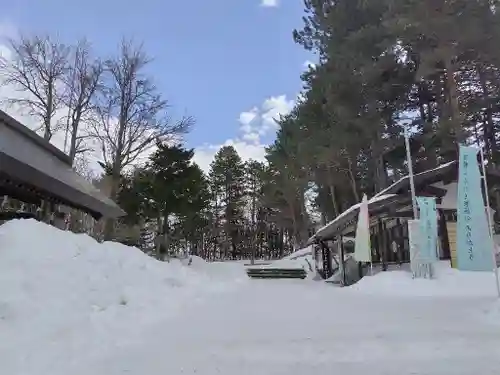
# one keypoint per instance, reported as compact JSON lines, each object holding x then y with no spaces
{"x":474,"y":243}
{"x":327,"y":261}
{"x":362,"y":250}
{"x":434,"y":219}
{"x":428,"y":229}
{"x":414,"y":242}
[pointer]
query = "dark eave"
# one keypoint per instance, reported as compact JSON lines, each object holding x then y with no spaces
{"x":33,"y":137}
{"x":33,"y":169}
{"x":445,"y":173}
{"x":422,"y":180}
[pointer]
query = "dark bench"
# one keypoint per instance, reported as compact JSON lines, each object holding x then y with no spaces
{"x":276,"y":273}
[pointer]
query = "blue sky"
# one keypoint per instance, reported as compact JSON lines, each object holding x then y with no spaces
{"x":232,"y":64}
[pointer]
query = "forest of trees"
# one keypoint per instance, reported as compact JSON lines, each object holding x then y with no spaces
{"x":433,"y":65}
{"x":429,"y":64}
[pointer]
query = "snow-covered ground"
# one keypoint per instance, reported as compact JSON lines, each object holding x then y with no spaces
{"x":295,"y":328}
{"x":71,"y":306}
{"x":64,"y":297}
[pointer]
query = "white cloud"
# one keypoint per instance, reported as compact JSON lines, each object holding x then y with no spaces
{"x":272,"y":109}
{"x":269,"y":3}
{"x":255,"y":123}
{"x":248,"y":117}
{"x":205,"y":154}
{"x":309,"y":65}
{"x":252,"y":137}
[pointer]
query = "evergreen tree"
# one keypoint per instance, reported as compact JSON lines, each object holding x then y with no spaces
{"x":177,"y":190}
{"x":254,"y":188}
{"x":227,"y":180}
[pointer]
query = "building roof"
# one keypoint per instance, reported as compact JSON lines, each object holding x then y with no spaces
{"x":343,"y":224}
{"x":389,"y":202}
{"x":34,"y":166}
{"x":427,"y":177}
{"x":446,"y":172}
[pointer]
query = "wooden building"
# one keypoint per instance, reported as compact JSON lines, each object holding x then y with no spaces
{"x":32,"y":170}
{"x":391,"y":208}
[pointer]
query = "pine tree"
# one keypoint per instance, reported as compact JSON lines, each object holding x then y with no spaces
{"x":254,"y":188}
{"x":227,"y":179}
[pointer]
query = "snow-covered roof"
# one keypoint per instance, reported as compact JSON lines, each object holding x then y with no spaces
{"x":422,"y":175}
{"x":30,"y":160}
{"x":345,"y":218}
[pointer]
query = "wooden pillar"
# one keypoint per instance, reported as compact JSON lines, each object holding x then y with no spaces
{"x":390,"y":238}
{"x":382,"y":244}
{"x":400,"y":241}
{"x":342,"y":263}
{"x":443,"y":234}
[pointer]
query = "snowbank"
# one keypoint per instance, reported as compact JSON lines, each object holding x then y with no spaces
{"x":62,"y":289}
{"x":300,"y":259}
{"x":300,"y":253}
{"x":448,"y":282}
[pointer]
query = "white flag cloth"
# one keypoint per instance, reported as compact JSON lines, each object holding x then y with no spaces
{"x":362,"y":248}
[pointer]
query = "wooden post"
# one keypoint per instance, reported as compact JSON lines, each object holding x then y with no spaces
{"x":342,"y":263}
{"x":443,"y":232}
{"x":382,"y":244}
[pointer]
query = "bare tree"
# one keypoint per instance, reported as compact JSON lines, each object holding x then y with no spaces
{"x":82,"y":165}
{"x":37,"y":70}
{"x":82,"y":79}
{"x":131,"y":116}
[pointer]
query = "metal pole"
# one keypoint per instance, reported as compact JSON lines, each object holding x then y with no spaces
{"x":490,"y":221}
{"x":427,"y":267}
{"x":410,"y":173}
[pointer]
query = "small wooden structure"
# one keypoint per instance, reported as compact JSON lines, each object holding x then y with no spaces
{"x":380,"y":209}
{"x":390,"y":210}
{"x":32,"y":170}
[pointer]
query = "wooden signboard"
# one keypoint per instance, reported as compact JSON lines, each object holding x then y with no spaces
{"x":451,"y":228}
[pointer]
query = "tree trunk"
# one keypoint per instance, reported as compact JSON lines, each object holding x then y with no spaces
{"x":74,"y":135}
{"x":379,"y":165}
{"x":454,"y":106}
{"x":109,"y":223}
{"x":428,"y":129}
{"x":116,"y":171}
{"x":352,"y":178}
{"x":331,"y":187}
{"x":47,"y":135}
{"x":489,"y":125}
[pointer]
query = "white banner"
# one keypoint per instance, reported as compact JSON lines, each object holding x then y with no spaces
{"x":419,"y":267}
{"x":362,"y":247}
{"x":414,"y":240}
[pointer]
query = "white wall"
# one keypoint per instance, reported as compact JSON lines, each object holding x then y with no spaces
{"x":449,"y":201}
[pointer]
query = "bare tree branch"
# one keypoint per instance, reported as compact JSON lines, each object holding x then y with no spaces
{"x":131,"y":117}
{"x":83,"y":80}
{"x":36,"y":71}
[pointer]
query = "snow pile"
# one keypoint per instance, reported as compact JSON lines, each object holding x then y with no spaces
{"x":448,"y":282}
{"x":217,"y":271}
{"x":300,"y":253}
{"x":65,"y":291}
{"x":302,"y":258}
